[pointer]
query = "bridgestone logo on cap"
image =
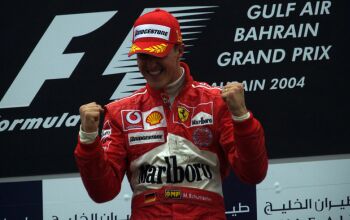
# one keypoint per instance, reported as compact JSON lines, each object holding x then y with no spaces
{"x":152,"y":30}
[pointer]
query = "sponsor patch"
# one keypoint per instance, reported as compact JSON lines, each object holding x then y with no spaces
{"x":148,"y":120}
{"x":202,"y":137}
{"x":165,"y":98}
{"x":154,"y":118}
{"x":105,"y":134}
{"x":203,"y":114}
{"x":173,"y":172}
{"x":183,"y":113}
{"x":173,"y":194}
{"x":131,"y":119}
{"x":202,"y":118}
{"x":152,"y":30}
{"x":146,"y":137}
{"x":106,"y":130}
{"x":179,"y":36}
{"x":191,"y":116}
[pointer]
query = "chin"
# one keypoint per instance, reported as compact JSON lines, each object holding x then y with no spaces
{"x":156,"y":86}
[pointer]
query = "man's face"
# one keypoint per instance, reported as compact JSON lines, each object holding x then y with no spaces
{"x":160,"y":72}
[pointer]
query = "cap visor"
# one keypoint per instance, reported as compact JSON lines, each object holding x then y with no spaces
{"x":157,"y":49}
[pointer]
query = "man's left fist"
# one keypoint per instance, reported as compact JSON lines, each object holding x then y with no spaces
{"x":233,"y":95}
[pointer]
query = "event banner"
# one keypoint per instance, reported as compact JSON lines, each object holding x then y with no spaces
{"x":57,"y":55}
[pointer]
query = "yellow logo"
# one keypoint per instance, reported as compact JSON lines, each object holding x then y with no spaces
{"x":160,"y":48}
{"x":183,"y":113}
{"x":134,"y":48}
{"x":173,"y":194}
{"x":179,"y":38}
{"x":154,"y":118}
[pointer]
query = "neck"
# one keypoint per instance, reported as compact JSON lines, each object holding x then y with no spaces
{"x":174,"y":88}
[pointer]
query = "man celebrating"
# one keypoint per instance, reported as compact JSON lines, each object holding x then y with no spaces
{"x":176,"y":139}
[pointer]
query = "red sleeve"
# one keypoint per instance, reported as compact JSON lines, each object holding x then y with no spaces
{"x":102,"y":164}
{"x":244,"y":145}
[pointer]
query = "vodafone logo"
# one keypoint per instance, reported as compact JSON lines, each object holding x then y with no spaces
{"x":133,"y":117}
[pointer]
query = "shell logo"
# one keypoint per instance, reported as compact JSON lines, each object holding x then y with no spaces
{"x":154,"y":118}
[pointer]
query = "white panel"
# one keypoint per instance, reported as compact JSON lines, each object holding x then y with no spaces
{"x":67,"y":198}
{"x":314,"y":190}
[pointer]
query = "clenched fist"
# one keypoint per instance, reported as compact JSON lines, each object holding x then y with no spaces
{"x":233,"y":95}
{"x":90,"y":116}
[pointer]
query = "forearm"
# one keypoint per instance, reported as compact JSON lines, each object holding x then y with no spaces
{"x":250,"y":158}
{"x":97,"y":173}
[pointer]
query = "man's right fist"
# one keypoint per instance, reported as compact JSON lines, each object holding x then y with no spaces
{"x":90,"y":116}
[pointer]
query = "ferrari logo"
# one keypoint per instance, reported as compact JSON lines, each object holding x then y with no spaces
{"x":183,"y":113}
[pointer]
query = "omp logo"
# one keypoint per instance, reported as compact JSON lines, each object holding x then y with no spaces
{"x":48,"y":62}
{"x":173,"y":194}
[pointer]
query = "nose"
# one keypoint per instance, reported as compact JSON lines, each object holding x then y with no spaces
{"x":147,"y":62}
{"x":151,"y":62}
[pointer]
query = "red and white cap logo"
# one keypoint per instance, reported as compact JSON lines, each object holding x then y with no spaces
{"x":155,"y":33}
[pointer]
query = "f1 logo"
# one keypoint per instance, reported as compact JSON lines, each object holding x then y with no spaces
{"x":47,"y":60}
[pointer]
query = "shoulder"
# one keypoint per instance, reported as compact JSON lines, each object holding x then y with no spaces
{"x":134,"y":98}
{"x":206,"y":88}
{"x":204,"y":93}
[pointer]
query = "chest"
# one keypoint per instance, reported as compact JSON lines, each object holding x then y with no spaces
{"x":147,"y":127}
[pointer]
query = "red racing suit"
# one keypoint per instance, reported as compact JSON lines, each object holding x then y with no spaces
{"x":175,"y":156}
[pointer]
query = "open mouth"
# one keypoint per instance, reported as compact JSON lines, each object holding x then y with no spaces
{"x":155,"y":72}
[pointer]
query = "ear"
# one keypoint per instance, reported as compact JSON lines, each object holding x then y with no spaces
{"x":181,"y":49}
